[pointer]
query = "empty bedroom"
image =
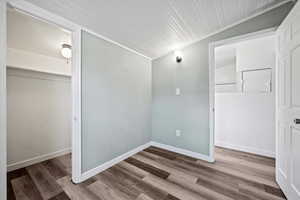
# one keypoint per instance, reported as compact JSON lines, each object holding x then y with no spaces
{"x":149,"y":100}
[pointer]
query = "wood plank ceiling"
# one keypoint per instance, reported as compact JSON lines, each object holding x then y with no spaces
{"x":155,"y":27}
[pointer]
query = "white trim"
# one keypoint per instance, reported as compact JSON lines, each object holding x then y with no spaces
{"x":229,"y":26}
{"x":76,"y":99}
{"x":108,"y":164}
{"x":116,"y":43}
{"x":211,"y":59}
{"x":211,"y":54}
{"x":246,"y":149}
{"x":37,"y":159}
{"x":42,"y":14}
{"x":3,"y":106}
{"x":183,"y":151}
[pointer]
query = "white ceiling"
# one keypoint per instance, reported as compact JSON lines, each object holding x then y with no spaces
{"x":29,"y":34}
{"x":155,"y":27}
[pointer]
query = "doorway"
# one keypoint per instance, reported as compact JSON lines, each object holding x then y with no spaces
{"x":242,"y":80}
{"x":15,"y":79}
{"x":243,"y":104}
{"x":39,"y":99}
{"x":244,"y":95}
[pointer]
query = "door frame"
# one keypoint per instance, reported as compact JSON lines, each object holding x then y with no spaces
{"x":75,"y":31}
{"x":212,"y":46}
{"x":3,"y":167}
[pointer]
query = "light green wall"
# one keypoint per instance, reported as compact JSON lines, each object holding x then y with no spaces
{"x":189,"y":112}
{"x":116,"y":101}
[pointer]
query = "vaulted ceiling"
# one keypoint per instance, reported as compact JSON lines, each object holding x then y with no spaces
{"x":155,"y":27}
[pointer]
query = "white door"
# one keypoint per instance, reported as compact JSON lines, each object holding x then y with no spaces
{"x":288,"y":106}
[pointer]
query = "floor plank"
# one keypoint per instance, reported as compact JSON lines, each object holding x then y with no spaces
{"x":45,"y":183}
{"x":170,"y":197}
{"x":13,"y":175}
{"x":61,"y":196}
{"x":203,"y":191}
{"x":167,"y":168}
{"x":172,"y":188}
{"x":246,"y":156}
{"x":76,"y":192}
{"x":55,"y":168}
{"x":24,"y":188}
{"x":105,"y":192}
{"x":66,"y":162}
{"x":133,"y":169}
{"x":143,"y":197}
{"x":139,"y":185}
{"x":246,"y":189}
{"x":149,"y":168}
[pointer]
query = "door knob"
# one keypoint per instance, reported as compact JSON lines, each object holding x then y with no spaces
{"x":297,"y":121}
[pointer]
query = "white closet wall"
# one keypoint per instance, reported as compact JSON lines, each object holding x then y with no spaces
{"x":38,"y":116}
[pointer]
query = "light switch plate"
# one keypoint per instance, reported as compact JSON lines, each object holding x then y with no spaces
{"x":178,"y":133}
{"x":177,"y":92}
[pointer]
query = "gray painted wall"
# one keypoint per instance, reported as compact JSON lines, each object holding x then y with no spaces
{"x":190,"y":111}
{"x":116,"y":101}
{"x":39,"y":114}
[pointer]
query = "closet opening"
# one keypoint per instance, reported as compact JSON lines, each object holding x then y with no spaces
{"x":39,"y":103}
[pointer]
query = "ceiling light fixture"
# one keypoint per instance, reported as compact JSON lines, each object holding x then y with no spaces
{"x":66,"y":51}
{"x":178,"y":56}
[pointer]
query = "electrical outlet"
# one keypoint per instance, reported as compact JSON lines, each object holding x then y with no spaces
{"x":178,"y":133}
{"x":177,"y":91}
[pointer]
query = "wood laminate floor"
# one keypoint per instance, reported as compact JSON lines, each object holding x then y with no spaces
{"x":153,"y":174}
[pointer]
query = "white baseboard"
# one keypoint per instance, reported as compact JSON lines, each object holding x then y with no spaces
{"x":37,"y":159}
{"x":246,"y":149}
{"x":183,"y":151}
{"x":108,"y":164}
